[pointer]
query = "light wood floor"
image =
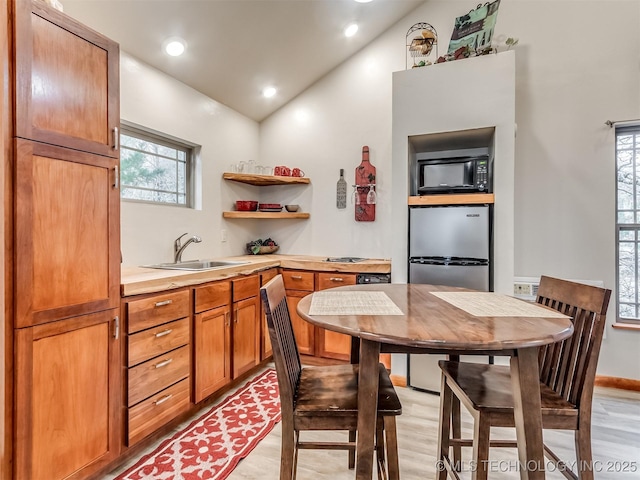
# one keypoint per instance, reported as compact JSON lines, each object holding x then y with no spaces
{"x":616,"y":444}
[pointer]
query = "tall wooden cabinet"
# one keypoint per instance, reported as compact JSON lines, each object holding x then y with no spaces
{"x":62,"y":271}
{"x":66,"y":81}
{"x":65,"y":415}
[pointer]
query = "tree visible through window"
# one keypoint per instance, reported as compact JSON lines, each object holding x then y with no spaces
{"x":153,"y":168}
{"x":628,"y":221}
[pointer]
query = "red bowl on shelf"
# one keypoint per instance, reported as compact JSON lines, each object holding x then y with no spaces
{"x":269,"y":206}
{"x":246,"y":205}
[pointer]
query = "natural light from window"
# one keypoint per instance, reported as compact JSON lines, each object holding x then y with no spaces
{"x":154,"y":169}
{"x":628,"y":221}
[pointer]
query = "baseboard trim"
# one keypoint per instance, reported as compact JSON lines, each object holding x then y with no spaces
{"x":617,"y":382}
{"x":398,"y":380}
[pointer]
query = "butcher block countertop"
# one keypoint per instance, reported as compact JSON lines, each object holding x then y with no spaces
{"x":138,"y":280}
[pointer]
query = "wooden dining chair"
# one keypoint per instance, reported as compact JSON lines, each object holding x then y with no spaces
{"x":323,"y":397}
{"x":567,"y":374}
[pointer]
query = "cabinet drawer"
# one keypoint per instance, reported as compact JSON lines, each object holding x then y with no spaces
{"x":152,"y":311}
{"x":246,"y":287}
{"x":295,"y":280}
{"x":153,"y":413}
{"x":330,"y":280}
{"x":212,"y":296}
{"x":157,"y":374}
{"x":156,"y":341}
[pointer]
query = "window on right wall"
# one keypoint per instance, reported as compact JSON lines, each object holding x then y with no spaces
{"x":628,"y":223}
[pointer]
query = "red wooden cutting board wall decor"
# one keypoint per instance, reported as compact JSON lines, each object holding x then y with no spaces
{"x":365,"y":176}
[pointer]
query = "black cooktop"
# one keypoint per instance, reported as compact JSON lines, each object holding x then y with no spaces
{"x":345,"y":259}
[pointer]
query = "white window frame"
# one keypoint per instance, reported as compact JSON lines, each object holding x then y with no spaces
{"x":147,"y":134}
{"x":628,"y":232}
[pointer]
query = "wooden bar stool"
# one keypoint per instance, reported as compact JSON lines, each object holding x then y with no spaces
{"x":323,"y":398}
{"x":567,"y":374}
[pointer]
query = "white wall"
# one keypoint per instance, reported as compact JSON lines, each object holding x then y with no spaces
{"x":324,"y":130}
{"x":159,"y":102}
{"x":565,"y":167}
{"x":576,"y":66}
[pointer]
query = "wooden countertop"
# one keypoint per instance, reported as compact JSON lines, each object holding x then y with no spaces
{"x":138,"y":280}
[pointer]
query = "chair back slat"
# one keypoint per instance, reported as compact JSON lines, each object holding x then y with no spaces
{"x":283,"y":342}
{"x":569,"y":367}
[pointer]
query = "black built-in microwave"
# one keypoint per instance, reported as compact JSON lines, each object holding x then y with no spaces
{"x":454,"y":175}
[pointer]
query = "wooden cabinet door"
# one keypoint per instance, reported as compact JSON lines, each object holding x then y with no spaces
{"x":303,"y":330}
{"x":67,"y":232}
{"x":67,"y":81}
{"x":68,"y":397}
{"x":246,"y":335}
{"x":212,"y":351}
{"x":333,"y":344}
{"x":266,"y":350}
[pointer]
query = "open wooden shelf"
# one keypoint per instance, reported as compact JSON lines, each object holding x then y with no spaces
{"x":460,"y":199}
{"x":264,"y":180}
{"x":288,"y":215}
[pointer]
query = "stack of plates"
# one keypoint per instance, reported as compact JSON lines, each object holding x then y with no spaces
{"x":270,"y":207}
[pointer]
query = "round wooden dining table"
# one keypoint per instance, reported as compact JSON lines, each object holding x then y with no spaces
{"x":424,"y":320}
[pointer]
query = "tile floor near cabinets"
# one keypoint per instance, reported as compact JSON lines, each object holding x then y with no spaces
{"x":616,"y":444}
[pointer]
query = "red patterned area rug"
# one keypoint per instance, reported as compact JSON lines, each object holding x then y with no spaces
{"x":211,"y":446}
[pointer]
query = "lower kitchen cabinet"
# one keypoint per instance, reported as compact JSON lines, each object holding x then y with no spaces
{"x":266,"y":350}
{"x":304,"y":331}
{"x":298,"y":284}
{"x":68,"y":394}
{"x":212,"y":358}
{"x":246,"y":324}
{"x":212,"y":338}
{"x":158,"y":360}
{"x":332,"y":344}
{"x":154,"y":412}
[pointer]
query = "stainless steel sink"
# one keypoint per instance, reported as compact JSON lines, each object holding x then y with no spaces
{"x":195,"y":265}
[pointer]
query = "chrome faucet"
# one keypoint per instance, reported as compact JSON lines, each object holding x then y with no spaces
{"x":178,"y":248}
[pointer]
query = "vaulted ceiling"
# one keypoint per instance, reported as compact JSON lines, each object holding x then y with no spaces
{"x":235,"y":48}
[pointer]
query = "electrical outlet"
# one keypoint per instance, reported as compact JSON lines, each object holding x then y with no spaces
{"x":522,"y":289}
{"x":223,"y":235}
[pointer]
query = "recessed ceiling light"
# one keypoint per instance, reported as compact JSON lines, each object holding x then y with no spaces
{"x":351,"y":30}
{"x":363,"y":1}
{"x":175,"y":46}
{"x":269,"y":92}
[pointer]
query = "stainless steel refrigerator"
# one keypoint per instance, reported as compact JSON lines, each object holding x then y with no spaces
{"x":448,"y":245}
